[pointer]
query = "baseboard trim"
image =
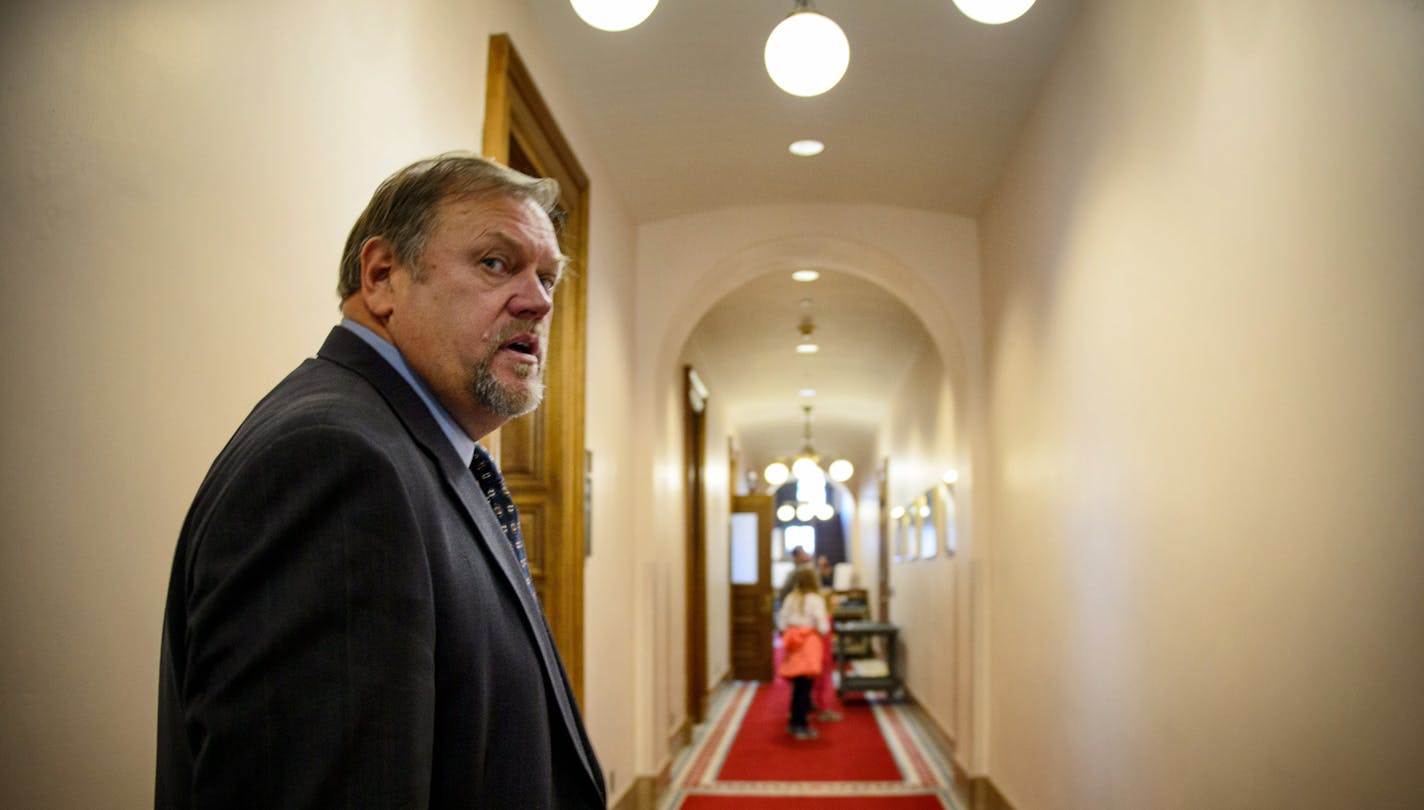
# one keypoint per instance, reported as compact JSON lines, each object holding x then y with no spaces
{"x":641,"y":795}
{"x":972,"y":792}
{"x":647,"y":792}
{"x":681,"y":737}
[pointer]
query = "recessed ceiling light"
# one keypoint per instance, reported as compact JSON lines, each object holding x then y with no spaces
{"x":807,"y":148}
{"x":807,"y":348}
{"x":806,"y":275}
{"x":808,"y":392}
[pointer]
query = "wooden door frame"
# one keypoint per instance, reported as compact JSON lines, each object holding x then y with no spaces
{"x":516,"y":114}
{"x":694,"y":435}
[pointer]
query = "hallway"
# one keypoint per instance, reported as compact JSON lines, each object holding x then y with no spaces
{"x":1117,"y":314}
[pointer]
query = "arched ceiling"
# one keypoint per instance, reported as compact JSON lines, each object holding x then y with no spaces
{"x":746,"y":346}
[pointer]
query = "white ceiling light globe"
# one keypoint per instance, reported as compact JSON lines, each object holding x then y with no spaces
{"x":841,"y":470}
{"x":786,"y":512}
{"x":613,"y":15}
{"x":825,"y":512}
{"x":804,"y":467}
{"x":776,"y":473}
{"x":807,"y":53}
{"x":804,"y":512}
{"x":993,"y":12}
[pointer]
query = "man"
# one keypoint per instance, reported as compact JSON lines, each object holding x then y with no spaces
{"x":801,"y":559}
{"x":348,"y":623}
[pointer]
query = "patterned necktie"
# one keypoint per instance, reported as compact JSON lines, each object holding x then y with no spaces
{"x":492,"y":484}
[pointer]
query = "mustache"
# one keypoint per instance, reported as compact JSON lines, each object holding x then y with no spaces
{"x":538,"y":329}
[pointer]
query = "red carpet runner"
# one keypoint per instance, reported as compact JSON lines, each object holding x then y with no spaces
{"x":874,"y":759}
{"x":851,"y":750}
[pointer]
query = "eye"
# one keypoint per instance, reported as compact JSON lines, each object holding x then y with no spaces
{"x":549,"y":280}
{"x":495,"y":263}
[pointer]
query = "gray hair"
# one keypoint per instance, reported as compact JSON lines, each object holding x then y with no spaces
{"x":404,"y":206}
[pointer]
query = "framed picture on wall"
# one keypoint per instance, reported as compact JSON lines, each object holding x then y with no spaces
{"x":911,"y":530}
{"x":946,"y":518}
{"x":897,"y":534}
{"x":928,"y":517}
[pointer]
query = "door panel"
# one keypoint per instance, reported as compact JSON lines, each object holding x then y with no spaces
{"x":542,"y":454}
{"x":752,"y":520}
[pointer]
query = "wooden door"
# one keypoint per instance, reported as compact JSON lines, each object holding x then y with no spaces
{"x":542,"y":454}
{"x":694,"y":429}
{"x":752,"y":520}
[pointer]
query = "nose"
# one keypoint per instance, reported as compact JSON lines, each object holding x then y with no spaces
{"x":530,"y":300}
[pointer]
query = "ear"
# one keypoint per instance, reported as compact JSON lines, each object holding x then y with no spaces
{"x":378,"y":264}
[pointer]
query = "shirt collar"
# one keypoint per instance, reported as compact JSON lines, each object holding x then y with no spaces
{"x":461,"y":441}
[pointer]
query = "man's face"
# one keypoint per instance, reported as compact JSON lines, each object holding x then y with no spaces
{"x":475,"y":325}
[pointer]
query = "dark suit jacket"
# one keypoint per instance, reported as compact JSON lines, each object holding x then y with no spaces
{"x":346,"y":625}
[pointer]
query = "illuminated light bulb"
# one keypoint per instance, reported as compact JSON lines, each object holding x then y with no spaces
{"x":951,"y":476}
{"x":924,"y":511}
{"x":805,"y":275}
{"x":993,"y":12}
{"x":807,"y":53}
{"x":613,"y":15}
{"x":776,"y":473}
{"x":805,"y":512}
{"x":806,"y":148}
{"x":804,"y":467}
{"x":841,"y":470}
{"x":897,"y":513}
{"x":825,"y":512}
{"x":785,"y":512}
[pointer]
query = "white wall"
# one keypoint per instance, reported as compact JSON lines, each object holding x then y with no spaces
{"x":178,"y":181}
{"x":1204,"y":274}
{"x":610,"y":607}
{"x":930,"y":599}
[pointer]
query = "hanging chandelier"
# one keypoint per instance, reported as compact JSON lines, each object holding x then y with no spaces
{"x":805,"y":469}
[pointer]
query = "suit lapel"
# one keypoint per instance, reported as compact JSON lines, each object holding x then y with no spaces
{"x":346,"y":349}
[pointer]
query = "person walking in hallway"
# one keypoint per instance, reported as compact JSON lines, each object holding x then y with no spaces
{"x":350,"y":618}
{"x":804,"y":622}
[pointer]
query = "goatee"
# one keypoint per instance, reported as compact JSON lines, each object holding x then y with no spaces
{"x":509,"y":400}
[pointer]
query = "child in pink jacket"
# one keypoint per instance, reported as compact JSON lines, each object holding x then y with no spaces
{"x":804,"y":622}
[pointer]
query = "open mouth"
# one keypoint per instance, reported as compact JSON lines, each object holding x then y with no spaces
{"x":526,"y":345}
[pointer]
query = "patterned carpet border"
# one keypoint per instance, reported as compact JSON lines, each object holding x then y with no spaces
{"x":923,"y":773}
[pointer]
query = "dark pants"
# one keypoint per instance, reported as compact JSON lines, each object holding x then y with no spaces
{"x":800,"y":701}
